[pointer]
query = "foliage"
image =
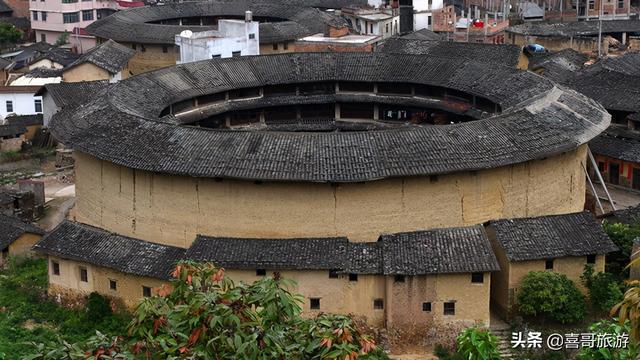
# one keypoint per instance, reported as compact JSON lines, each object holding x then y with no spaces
{"x":629,"y":309}
{"x":26,"y":314}
{"x":9,"y":34}
{"x":98,"y":307}
{"x":615,"y":328}
{"x":477,"y":344}
{"x":604,"y":290}
{"x":443,"y":353}
{"x":62,"y":39}
{"x":551,"y":295}
{"x":622,"y":235}
{"x":205,"y":315}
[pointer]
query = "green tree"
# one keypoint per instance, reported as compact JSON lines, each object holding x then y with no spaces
{"x":610,"y":327}
{"x":62,"y":39}
{"x":551,"y":295}
{"x":622,"y":235}
{"x":604,"y":290}
{"x":477,"y":344}
{"x":204,"y":315}
{"x":9,"y":34}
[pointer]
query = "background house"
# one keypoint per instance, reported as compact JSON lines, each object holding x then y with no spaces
{"x":17,"y":237}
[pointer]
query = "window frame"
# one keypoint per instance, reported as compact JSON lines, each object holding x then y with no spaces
{"x":88,"y":11}
{"x":9,"y":106}
{"x":84,"y":274}
{"x":451,"y":311}
{"x":593,"y":257}
{"x":549,"y":264}
{"x":113,"y":285}
{"x":36,"y":103}
{"x":314,"y":303}
{"x":55,"y":268}
{"x":68,"y":18}
{"x":261,"y":272}
{"x":399,"y":279}
{"x":427,"y":306}
{"x":334,"y":274}
{"x":353,"y":277}
{"x":378,"y":304}
{"x":146,"y":291}
{"x":474,"y":279}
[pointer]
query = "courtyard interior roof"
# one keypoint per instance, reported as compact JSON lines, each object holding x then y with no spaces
{"x":618,"y":142}
{"x":553,"y":236}
{"x":136,"y":25}
{"x":122,"y":124}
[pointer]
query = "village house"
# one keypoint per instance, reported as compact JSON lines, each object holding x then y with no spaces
{"x":107,"y":61}
{"x":17,"y":237}
{"x":400,"y":280}
{"x":560,"y":243}
{"x":12,"y":137}
{"x":382,"y":22}
{"x":32,"y":124}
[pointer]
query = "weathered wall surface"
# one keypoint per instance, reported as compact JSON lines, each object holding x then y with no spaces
{"x":85,"y":72}
{"x":23,"y":245}
{"x":584,"y":44}
{"x":173,"y":209}
{"x":152,"y":58}
{"x":266,"y":49}
{"x":405,"y":299}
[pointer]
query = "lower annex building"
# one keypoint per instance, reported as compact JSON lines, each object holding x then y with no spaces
{"x":362,"y":176}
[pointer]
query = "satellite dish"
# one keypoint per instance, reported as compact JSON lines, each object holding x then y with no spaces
{"x":186,"y":33}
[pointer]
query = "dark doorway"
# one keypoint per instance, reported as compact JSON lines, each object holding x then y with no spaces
{"x":635,"y":181}
{"x":614,"y":173}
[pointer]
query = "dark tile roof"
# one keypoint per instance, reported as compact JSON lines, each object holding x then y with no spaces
{"x":25,"y":120}
{"x":558,"y":66}
{"x":136,"y":24}
{"x":628,"y":64}
{"x":109,"y":56}
{"x":61,"y":56}
{"x":554,"y":236}
{"x":4,"y":8}
{"x":42,"y":72}
{"x":423,"y":34}
{"x":123,"y":125}
{"x":450,"y":250}
{"x":12,"y":129}
{"x":364,"y":258}
{"x":80,"y":242}
{"x":303,"y":254}
{"x":508,"y":55}
{"x":576,"y":28}
{"x":72,"y":94}
{"x":628,"y":216}
{"x":12,"y":228}
{"x":618,"y":142}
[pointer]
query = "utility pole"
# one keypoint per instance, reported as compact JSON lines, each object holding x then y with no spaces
{"x":599,"y":31}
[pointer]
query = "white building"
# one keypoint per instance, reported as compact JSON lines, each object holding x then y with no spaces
{"x":233,"y":38}
{"x":19,"y":100}
{"x":379,"y":22}
{"x":423,"y":13}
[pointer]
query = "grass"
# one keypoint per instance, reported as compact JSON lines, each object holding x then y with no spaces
{"x":27,"y":316}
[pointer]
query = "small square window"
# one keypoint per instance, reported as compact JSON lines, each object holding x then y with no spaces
{"x":55,"y":268}
{"x":252,"y":36}
{"x":450,"y":308}
{"x":548,"y":265}
{"x":314,"y":303}
{"x":591,"y":259}
{"x":142,"y":48}
{"x":275,"y":46}
{"x":285,"y":46}
{"x":9,"y":105}
{"x":134,"y":46}
{"x":165,"y":49}
{"x":378,"y":304}
{"x":84,"y":276}
{"x":398,"y":278}
{"x":353,"y":277}
{"x":261,"y":272}
{"x":426,"y":306}
{"x":113,"y":285}
{"x":333,"y":274}
{"x":477,"y":278}
{"x":146,"y":291}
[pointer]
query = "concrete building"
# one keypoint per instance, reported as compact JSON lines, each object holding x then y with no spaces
{"x":382,"y":22}
{"x":559,"y":243}
{"x":17,"y":237}
{"x":232,"y":38}
{"x":50,"y":19}
{"x":152,"y":30}
{"x":432,"y":143}
{"x":20,"y":100}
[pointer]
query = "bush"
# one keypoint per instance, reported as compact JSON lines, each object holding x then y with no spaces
{"x":551,"y":295}
{"x":476,"y":344}
{"x":622,"y":235}
{"x":444,"y":354}
{"x":97,"y":307}
{"x":604,"y":290}
{"x":611,"y":327}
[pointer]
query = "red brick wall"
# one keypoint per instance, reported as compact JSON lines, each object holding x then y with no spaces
{"x":20,"y":7}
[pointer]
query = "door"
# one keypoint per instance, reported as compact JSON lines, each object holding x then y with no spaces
{"x":635,"y":180}
{"x":614,"y":173}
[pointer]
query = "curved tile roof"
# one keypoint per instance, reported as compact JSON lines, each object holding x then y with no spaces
{"x":299,"y":19}
{"x":122,"y":125}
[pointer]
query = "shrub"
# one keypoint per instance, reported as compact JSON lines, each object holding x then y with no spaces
{"x":622,"y":235}
{"x":445,"y":354}
{"x":604,"y":290}
{"x":476,"y":344}
{"x":610,"y":327}
{"x":551,"y":295}
{"x":97,"y":307}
